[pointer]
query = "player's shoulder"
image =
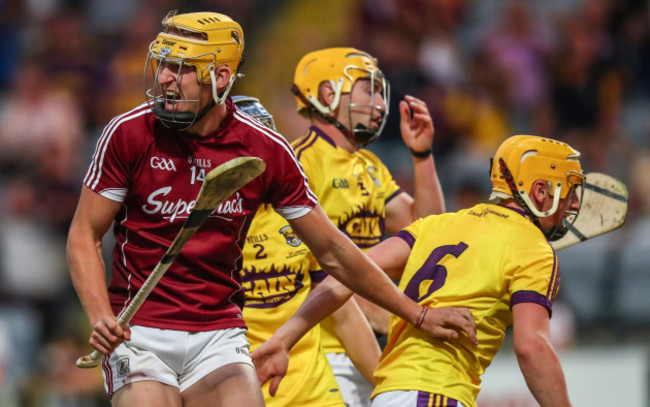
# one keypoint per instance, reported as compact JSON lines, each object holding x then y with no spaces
{"x":130,"y":128}
{"x":314,"y":144}
{"x":304,"y":141}
{"x":521,"y":233}
{"x":254,"y":133}
{"x":368,"y":155}
{"x":372,"y":160}
{"x":140,"y":116}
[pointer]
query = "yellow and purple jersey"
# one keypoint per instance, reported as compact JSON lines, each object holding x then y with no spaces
{"x":277,"y":277}
{"x":353,"y":189}
{"x":486,"y":258}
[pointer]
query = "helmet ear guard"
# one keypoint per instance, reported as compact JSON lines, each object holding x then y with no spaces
{"x":215,"y":92}
{"x":533,"y":208}
{"x":337,"y":86}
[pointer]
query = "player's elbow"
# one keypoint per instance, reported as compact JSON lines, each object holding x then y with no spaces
{"x":530,"y":348}
{"x":75,"y":239}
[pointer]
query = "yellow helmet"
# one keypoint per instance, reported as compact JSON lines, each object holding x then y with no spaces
{"x":531,"y":158}
{"x":203,"y":40}
{"x":342,"y":67}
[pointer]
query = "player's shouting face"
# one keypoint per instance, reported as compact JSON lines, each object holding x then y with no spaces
{"x":180,"y":88}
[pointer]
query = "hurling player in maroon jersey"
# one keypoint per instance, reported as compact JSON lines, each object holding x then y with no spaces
{"x":186,"y":345}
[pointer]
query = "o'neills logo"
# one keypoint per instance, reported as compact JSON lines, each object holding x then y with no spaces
{"x":200,"y":162}
{"x":156,"y":204}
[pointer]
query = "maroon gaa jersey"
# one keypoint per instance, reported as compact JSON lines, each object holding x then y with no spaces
{"x":156,"y":174}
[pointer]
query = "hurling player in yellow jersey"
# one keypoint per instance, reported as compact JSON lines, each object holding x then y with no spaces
{"x":277,"y":277}
{"x":345,"y":96}
{"x":497,"y":260}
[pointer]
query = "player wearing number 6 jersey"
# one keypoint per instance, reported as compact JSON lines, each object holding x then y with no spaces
{"x":496,"y":259}
{"x":186,"y":345}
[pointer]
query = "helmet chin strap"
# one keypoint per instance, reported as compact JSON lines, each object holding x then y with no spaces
{"x":363,"y":134}
{"x":340,"y":127}
{"x":557,"y":232}
{"x":179,"y":120}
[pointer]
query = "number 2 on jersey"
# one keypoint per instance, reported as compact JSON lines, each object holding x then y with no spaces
{"x":432,"y":271}
{"x":260,"y":251}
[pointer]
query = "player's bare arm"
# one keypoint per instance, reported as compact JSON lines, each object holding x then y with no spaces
{"x":375,"y":315}
{"x":416,"y":126}
{"x":537,"y":358}
{"x":358,"y":272}
{"x":417,"y":132}
{"x":92,"y":219}
{"x":355,"y":333}
{"x":340,"y":258}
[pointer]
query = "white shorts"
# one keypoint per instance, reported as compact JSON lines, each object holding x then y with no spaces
{"x":176,"y":358}
{"x":355,"y":389}
{"x":413,"y":398}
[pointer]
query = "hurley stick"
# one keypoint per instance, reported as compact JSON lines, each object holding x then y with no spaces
{"x":603,"y":209}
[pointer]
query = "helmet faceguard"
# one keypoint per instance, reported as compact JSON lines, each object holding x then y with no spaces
{"x":254,"y":108}
{"x":557,"y":232}
{"x":522,"y":160}
{"x":342,"y":68}
{"x":203,"y":41}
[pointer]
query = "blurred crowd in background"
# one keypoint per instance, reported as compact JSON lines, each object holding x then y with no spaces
{"x":574,"y":70}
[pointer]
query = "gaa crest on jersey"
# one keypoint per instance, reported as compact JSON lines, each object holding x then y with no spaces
{"x":372,"y":172}
{"x":123,"y":368}
{"x":165,"y":164}
{"x":291,"y":238}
